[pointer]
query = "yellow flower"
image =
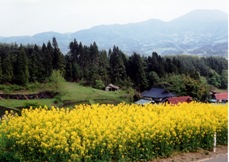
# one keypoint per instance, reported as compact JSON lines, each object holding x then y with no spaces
{"x":82,"y":130}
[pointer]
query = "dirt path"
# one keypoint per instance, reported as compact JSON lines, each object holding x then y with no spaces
{"x":194,"y":157}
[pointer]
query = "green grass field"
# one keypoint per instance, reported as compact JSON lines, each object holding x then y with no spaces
{"x":71,"y":94}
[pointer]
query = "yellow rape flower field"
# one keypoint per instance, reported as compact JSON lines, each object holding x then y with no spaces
{"x":123,"y":132}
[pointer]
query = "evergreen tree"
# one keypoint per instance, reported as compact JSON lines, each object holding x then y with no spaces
{"x":84,"y":63}
{"x":58,"y":58}
{"x":169,"y":66}
{"x":117,"y":67}
{"x":7,"y":69}
{"x":93,"y":64}
{"x":73,"y":71}
{"x":136,"y":71}
{"x":104,"y":67}
{"x":216,"y":63}
{"x":74,"y":51}
{"x":68,"y":68}
{"x":36,"y":66}
{"x":21,"y":68}
{"x":153,"y":79}
{"x":0,"y":70}
{"x":76,"y":72}
{"x":155,"y":63}
{"x":48,"y":57}
{"x":178,"y":65}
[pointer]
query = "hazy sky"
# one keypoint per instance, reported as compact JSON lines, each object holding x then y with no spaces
{"x":28,"y":17}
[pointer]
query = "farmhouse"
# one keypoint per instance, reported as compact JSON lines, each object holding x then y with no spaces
{"x":157,"y":95}
{"x":111,"y":87}
{"x":160,"y":95}
{"x":219,"y":97}
{"x":180,"y":99}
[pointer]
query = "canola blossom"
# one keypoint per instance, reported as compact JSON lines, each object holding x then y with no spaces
{"x":127,"y":132}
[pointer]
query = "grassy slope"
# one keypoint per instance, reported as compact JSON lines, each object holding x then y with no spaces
{"x":73,"y":93}
{"x":77,"y":92}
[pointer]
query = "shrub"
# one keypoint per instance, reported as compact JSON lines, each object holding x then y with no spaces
{"x":99,"y":84}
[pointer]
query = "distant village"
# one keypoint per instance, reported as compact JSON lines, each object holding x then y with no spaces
{"x":161,"y":95}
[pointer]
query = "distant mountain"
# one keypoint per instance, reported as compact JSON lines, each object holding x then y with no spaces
{"x":200,"y":32}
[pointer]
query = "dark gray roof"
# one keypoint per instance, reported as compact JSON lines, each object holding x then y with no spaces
{"x":157,"y":93}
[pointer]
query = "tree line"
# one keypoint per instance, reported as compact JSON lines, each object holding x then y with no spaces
{"x":182,"y":74}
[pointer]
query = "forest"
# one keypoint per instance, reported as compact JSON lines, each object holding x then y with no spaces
{"x":181,"y":74}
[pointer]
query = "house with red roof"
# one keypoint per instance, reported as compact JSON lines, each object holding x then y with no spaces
{"x":180,"y":99}
{"x":219,"y":97}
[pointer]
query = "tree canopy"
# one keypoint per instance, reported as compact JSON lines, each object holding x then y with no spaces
{"x":182,"y":74}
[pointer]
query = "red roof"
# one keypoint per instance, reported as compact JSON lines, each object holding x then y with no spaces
{"x":176,"y":100}
{"x":221,"y":96}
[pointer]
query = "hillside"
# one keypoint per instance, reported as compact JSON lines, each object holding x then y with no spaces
{"x":71,"y":97}
{"x":200,"y":32}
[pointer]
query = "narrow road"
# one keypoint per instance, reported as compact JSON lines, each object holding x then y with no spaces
{"x":218,"y":158}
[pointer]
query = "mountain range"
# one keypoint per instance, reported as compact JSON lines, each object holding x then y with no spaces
{"x":200,"y":32}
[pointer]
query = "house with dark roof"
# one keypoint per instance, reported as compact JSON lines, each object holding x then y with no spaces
{"x":157,"y":95}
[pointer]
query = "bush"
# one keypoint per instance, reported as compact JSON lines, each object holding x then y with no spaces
{"x":33,"y":86}
{"x":57,"y":80}
{"x":99,"y":84}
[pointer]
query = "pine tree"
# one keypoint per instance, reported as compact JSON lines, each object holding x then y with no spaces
{"x":47,"y":61}
{"x":94,"y":64}
{"x":36,"y":67}
{"x":58,"y":57}
{"x":7,"y":69}
{"x":153,"y":79}
{"x":21,"y":67}
{"x":0,"y":70}
{"x":84,"y":62}
{"x":118,"y":67}
{"x":104,"y":67}
{"x":74,"y":51}
{"x":136,"y":71}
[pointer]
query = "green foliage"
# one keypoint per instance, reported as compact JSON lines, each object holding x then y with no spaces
{"x":176,"y":84}
{"x":10,"y":88}
{"x":99,"y":84}
{"x":21,"y":72}
{"x":85,"y":64}
{"x":47,"y":59}
{"x":58,"y":60}
{"x":153,"y":78}
{"x":118,"y":67}
{"x":185,"y":85}
{"x":57,"y":100}
{"x":7,"y":152}
{"x":136,"y":71}
{"x":33,"y":86}
{"x":215,"y":79}
{"x":57,"y":80}
{"x":224,"y":79}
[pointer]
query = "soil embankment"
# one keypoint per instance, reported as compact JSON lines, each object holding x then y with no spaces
{"x":40,"y":95}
